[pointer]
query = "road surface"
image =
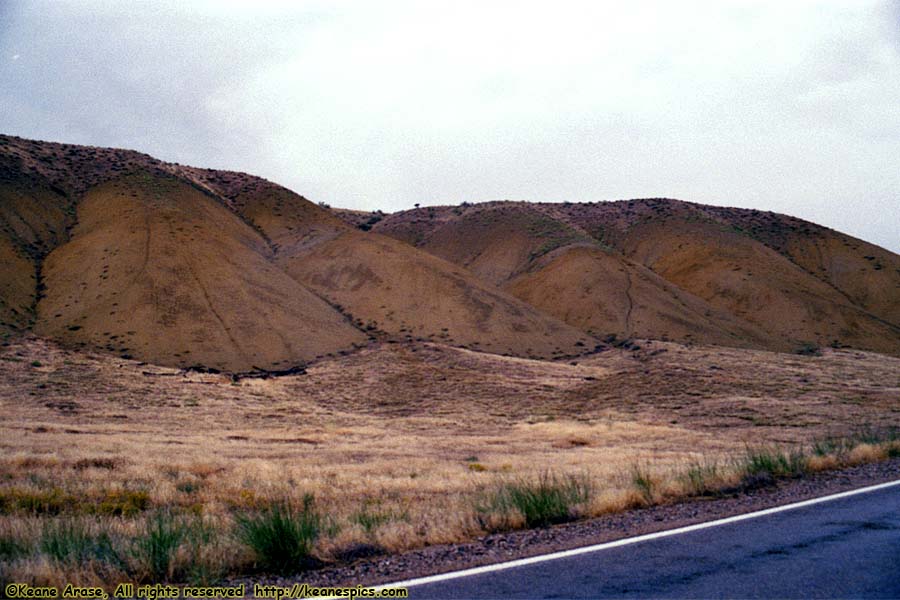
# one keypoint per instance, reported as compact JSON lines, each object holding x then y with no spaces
{"x":843,"y":548}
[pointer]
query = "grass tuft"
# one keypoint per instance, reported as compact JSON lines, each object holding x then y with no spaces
{"x":702,"y":478}
{"x":643,"y":481}
{"x":36,"y":502}
{"x":11,"y":548}
{"x":156,"y":545}
{"x":123,"y":503}
{"x":71,"y":541}
{"x":774,"y":462}
{"x":541,"y":502}
{"x":281,"y":535}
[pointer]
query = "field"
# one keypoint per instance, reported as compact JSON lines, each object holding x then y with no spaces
{"x":114,"y":470}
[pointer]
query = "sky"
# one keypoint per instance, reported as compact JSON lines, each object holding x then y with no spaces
{"x":792,"y":107}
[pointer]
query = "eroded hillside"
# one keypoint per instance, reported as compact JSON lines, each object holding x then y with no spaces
{"x":667,"y":269}
{"x":114,"y":250}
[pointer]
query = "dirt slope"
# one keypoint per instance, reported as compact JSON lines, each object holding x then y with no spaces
{"x":495,"y":241}
{"x":241,"y":273}
{"x":158,"y":270}
{"x":195,"y":267}
{"x":388,"y":286}
{"x":601,"y":291}
{"x":722,"y":275}
{"x":736,"y":273}
{"x":869,"y":276}
{"x":289,"y":222}
{"x":33,"y":219}
{"x":558,"y":267}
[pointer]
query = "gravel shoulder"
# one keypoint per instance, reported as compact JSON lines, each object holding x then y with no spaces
{"x":521,"y":544}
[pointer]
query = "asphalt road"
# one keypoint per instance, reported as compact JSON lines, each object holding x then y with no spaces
{"x":845,"y":548}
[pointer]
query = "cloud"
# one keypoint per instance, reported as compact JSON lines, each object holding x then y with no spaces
{"x":779,"y":106}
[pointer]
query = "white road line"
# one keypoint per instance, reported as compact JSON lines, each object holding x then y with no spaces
{"x":627,"y":541}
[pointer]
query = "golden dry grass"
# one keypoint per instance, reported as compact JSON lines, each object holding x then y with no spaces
{"x":399,"y":442}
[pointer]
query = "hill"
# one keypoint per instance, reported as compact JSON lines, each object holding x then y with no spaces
{"x":115,"y":250}
{"x":112,"y":249}
{"x":668,"y":269}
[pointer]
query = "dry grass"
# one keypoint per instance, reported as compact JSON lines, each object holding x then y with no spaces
{"x":386,"y":440}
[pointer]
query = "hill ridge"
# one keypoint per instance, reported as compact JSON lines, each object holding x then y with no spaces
{"x":856,"y":282}
{"x":187,"y":266}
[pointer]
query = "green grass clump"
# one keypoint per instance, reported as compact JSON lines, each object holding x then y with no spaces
{"x":702,"y":478}
{"x":641,"y":479}
{"x":71,"y":541}
{"x":11,"y":548}
{"x":155,"y":546}
{"x":774,"y":462}
{"x":541,"y":502}
{"x":282,"y":535}
{"x":55,"y":501}
{"x":865,"y":434}
{"x":831,"y":446}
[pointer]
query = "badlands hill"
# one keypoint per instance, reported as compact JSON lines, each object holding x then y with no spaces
{"x":112,"y":249}
{"x":667,"y":269}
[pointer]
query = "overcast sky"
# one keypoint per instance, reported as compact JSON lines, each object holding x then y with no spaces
{"x":786,"y":106}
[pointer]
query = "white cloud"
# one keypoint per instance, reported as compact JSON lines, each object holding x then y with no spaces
{"x":779,"y":106}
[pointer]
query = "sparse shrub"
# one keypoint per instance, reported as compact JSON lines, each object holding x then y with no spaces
{"x":808,"y":349}
{"x":94,"y":463}
{"x":830,"y":446}
{"x":541,"y":502}
{"x":123,"y":503}
{"x":281,"y":535}
{"x":187,"y":487}
{"x":202,"y":539}
{"x":38,"y":502}
{"x":367,"y":225}
{"x":869,"y":434}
